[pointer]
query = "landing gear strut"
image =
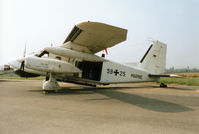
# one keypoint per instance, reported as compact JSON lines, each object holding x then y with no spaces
{"x":51,"y":85}
{"x":163,"y":85}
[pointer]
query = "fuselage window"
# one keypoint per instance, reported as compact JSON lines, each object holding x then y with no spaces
{"x":57,"y":57}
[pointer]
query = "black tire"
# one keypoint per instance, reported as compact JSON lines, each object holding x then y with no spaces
{"x":47,"y":76}
{"x":163,"y":85}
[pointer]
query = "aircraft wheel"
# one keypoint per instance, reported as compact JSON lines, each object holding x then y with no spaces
{"x":50,"y":91}
{"x":45,"y":92}
{"x":56,"y":91}
{"x":163,"y":85}
{"x":47,"y":76}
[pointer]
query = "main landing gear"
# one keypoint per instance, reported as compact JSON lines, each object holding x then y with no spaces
{"x":163,"y":85}
{"x":51,"y":85}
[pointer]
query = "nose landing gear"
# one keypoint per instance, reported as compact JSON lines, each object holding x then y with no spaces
{"x":51,"y":85}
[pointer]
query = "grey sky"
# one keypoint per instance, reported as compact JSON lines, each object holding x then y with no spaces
{"x":45,"y":22}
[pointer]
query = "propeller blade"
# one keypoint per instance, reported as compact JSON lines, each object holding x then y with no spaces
{"x":22,"y":66}
{"x":24,"y":53}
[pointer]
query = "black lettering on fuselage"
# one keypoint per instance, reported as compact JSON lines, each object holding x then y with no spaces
{"x":116,"y":72}
{"x":138,"y":76}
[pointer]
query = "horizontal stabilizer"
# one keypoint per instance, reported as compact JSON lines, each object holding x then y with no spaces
{"x":164,"y":75}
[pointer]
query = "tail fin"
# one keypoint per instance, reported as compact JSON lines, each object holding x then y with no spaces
{"x":154,"y":59}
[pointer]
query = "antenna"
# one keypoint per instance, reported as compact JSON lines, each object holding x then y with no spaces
{"x":149,"y":39}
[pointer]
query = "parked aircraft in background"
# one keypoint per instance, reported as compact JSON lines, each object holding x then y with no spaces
{"x":75,"y":60}
{"x":6,"y":69}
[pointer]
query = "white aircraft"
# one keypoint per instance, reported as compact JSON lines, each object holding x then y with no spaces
{"x":75,"y":60}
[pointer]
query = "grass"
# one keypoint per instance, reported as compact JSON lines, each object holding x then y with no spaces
{"x":196,"y":74}
{"x":182,"y":81}
{"x":187,"y":79}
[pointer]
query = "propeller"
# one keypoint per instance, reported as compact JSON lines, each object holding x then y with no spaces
{"x":24,"y":55}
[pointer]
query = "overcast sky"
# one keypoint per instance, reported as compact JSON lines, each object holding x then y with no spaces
{"x":45,"y":22}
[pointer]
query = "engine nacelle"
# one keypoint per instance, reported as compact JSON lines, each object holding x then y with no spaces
{"x":50,"y":65}
{"x":73,"y":53}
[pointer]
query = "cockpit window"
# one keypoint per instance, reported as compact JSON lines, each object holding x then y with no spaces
{"x":57,"y":57}
{"x":42,"y":54}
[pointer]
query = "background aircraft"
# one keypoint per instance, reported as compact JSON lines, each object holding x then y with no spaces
{"x":75,"y":60}
{"x":6,"y":69}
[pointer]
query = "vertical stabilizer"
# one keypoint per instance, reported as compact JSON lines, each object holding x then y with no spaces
{"x":154,"y":59}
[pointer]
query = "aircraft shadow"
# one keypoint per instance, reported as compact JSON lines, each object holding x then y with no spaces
{"x":3,"y":80}
{"x":8,"y":80}
{"x":145,"y":102}
{"x":182,"y":88}
{"x":185,"y":88}
{"x":136,"y":100}
{"x":81,"y":90}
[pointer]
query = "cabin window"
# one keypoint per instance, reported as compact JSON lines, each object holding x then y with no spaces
{"x":57,"y":57}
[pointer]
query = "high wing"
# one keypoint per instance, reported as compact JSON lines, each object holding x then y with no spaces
{"x":95,"y":36}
